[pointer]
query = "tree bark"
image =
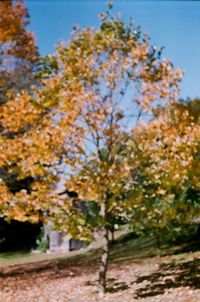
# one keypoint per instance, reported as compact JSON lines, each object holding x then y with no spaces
{"x":105,"y":254}
{"x":104,"y":262}
{"x":112,"y":235}
{"x":158,"y":241}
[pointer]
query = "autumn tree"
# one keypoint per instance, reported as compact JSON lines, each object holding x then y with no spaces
{"x":113,"y":75}
{"x":18,"y":52}
{"x":168,"y":165}
{"x":18,"y":61}
{"x":27,"y":127}
{"x":20,"y":69}
{"x":77,"y":124}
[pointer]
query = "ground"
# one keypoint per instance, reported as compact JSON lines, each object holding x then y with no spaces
{"x":137,"y":272}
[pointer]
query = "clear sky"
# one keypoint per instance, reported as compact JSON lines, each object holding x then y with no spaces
{"x":172,"y":24}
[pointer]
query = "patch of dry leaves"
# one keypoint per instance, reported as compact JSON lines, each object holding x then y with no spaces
{"x":162,"y":279}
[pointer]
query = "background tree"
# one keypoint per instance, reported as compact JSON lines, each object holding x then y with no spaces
{"x":18,"y":52}
{"x":20,"y":114}
{"x":18,"y":61}
{"x":168,"y":165}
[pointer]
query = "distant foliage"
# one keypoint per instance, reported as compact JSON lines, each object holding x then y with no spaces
{"x":169,"y":168}
{"x":18,"y":52}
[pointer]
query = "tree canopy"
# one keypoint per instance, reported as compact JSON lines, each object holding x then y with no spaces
{"x":18,"y":52}
{"x":106,"y":120}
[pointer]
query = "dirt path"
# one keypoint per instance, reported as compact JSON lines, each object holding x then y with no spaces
{"x":162,"y":279}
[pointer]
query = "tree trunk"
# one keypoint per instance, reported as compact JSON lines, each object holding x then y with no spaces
{"x":104,"y":262}
{"x":158,"y":241}
{"x":105,"y":254}
{"x":112,"y":235}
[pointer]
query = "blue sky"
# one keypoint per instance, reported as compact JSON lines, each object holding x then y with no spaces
{"x":172,"y":24}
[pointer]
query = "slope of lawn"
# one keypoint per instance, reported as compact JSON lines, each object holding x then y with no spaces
{"x":138,"y":271}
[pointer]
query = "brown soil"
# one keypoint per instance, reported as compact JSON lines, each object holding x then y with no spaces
{"x":163,"y":279}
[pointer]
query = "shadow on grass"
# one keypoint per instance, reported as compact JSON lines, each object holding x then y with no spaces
{"x":132,"y":247}
{"x":170,"y":276}
{"x":113,"y":285}
{"x":116,"y":287}
{"x":189,"y":246}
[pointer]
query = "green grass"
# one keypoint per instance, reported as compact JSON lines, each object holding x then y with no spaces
{"x":22,"y":257}
{"x":127,"y":247}
{"x":15,"y":258}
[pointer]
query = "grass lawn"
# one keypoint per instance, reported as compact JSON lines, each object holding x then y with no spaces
{"x":138,"y":271}
{"x":23,"y":257}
